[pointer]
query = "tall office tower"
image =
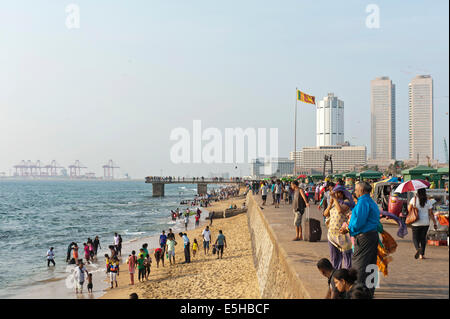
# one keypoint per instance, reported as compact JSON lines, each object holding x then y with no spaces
{"x":421,"y":120}
{"x":382,"y":119}
{"x":330,"y":121}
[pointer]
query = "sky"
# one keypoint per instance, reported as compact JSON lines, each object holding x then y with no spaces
{"x":133,"y":71}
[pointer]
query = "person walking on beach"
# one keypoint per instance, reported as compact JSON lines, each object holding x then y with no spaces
{"x":114,"y":271}
{"x":90,"y":285}
{"x":159,"y":256}
{"x":96,"y":245}
{"x":220,"y":243}
{"x":206,"y":239}
{"x":298,"y":206}
{"x":187,"y":253}
{"x":116,"y":242}
{"x":86,"y":252}
{"x":75,"y":253}
{"x":421,"y":225}
{"x":163,"y":241}
{"x":69,"y":250}
{"x":171,"y":249}
{"x":79,"y":277}
{"x":132,"y":263}
{"x":119,"y":246}
{"x":186,"y":220}
{"x":197,"y":220}
{"x":147,"y":264}
{"x":50,"y":257}
{"x":170,"y":234}
{"x":194,"y":247}
{"x":141,"y":267}
{"x":363,"y":226}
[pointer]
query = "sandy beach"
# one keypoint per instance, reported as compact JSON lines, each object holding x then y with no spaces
{"x":206,"y":277}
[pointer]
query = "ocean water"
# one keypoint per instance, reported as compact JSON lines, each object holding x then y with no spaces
{"x":36,"y":215}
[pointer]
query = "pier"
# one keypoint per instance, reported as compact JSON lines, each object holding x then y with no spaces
{"x":202,"y":183}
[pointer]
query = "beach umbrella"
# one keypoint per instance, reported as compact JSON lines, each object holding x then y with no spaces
{"x":301,"y":176}
{"x":412,"y":185}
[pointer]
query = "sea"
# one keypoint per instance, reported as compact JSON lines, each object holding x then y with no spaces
{"x":38,"y":214}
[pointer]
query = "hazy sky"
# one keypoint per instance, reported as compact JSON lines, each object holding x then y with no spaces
{"x":116,"y":87}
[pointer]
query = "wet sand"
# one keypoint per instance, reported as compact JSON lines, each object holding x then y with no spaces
{"x":206,"y":277}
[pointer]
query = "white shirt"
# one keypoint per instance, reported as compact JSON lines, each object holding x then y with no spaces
{"x":264,"y":190}
{"x":50,"y":254}
{"x":424,"y":217}
{"x":79,"y":273}
{"x":116,"y":240}
{"x":206,"y":235}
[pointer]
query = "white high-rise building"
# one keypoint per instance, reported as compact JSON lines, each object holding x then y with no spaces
{"x":421,"y":122}
{"x":382,"y":119}
{"x":330,"y":121}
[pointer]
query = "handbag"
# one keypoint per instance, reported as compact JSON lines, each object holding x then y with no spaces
{"x":413,"y":214}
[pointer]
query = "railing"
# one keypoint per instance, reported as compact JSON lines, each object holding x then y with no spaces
{"x":170,"y":179}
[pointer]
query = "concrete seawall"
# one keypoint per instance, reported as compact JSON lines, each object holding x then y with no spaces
{"x":276,"y":277}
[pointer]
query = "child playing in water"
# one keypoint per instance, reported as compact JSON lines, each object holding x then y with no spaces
{"x":89,"y":286}
{"x":114,"y":271}
{"x":194,"y":247}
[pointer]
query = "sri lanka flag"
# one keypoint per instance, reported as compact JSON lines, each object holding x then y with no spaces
{"x":305,"y":97}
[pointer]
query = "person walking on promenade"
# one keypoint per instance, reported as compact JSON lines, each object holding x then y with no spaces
{"x":132,"y":262}
{"x":298,"y":206}
{"x":50,"y":257}
{"x":187,"y":253}
{"x":363,"y":226}
{"x":206,"y":239}
{"x":421,"y":225}
{"x":97,"y":246}
{"x":337,"y":214}
{"x":264,"y":192}
{"x":220,"y":243}
{"x":278,"y":190}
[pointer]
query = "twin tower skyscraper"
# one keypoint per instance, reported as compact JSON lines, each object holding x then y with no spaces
{"x":421,"y":121}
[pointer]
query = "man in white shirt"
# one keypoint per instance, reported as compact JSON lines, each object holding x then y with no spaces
{"x":50,"y":257}
{"x":79,"y":277}
{"x":206,"y":239}
{"x":264,"y":191}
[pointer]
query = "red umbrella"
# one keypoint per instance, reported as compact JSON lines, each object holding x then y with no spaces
{"x":412,"y":185}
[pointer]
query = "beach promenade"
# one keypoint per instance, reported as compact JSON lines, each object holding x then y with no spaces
{"x":408,"y":278}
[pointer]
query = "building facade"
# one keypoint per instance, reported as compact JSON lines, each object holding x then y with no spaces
{"x":421,"y":121}
{"x":344,"y":157}
{"x":271,"y":167}
{"x":382,"y":119}
{"x":330,"y":121}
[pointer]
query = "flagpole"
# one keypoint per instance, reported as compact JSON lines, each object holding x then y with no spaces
{"x":295,"y":133}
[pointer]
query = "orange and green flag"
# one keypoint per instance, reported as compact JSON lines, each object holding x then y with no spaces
{"x":305,"y":97}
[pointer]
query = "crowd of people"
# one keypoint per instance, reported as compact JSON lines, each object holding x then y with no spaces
{"x":141,"y":262}
{"x":355,"y":236}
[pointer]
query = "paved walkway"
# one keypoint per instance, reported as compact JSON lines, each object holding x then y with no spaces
{"x":408,"y":278}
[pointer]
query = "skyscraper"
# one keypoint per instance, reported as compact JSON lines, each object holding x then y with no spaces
{"x":330,"y":121}
{"x":421,"y":120}
{"x":382,"y":119}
